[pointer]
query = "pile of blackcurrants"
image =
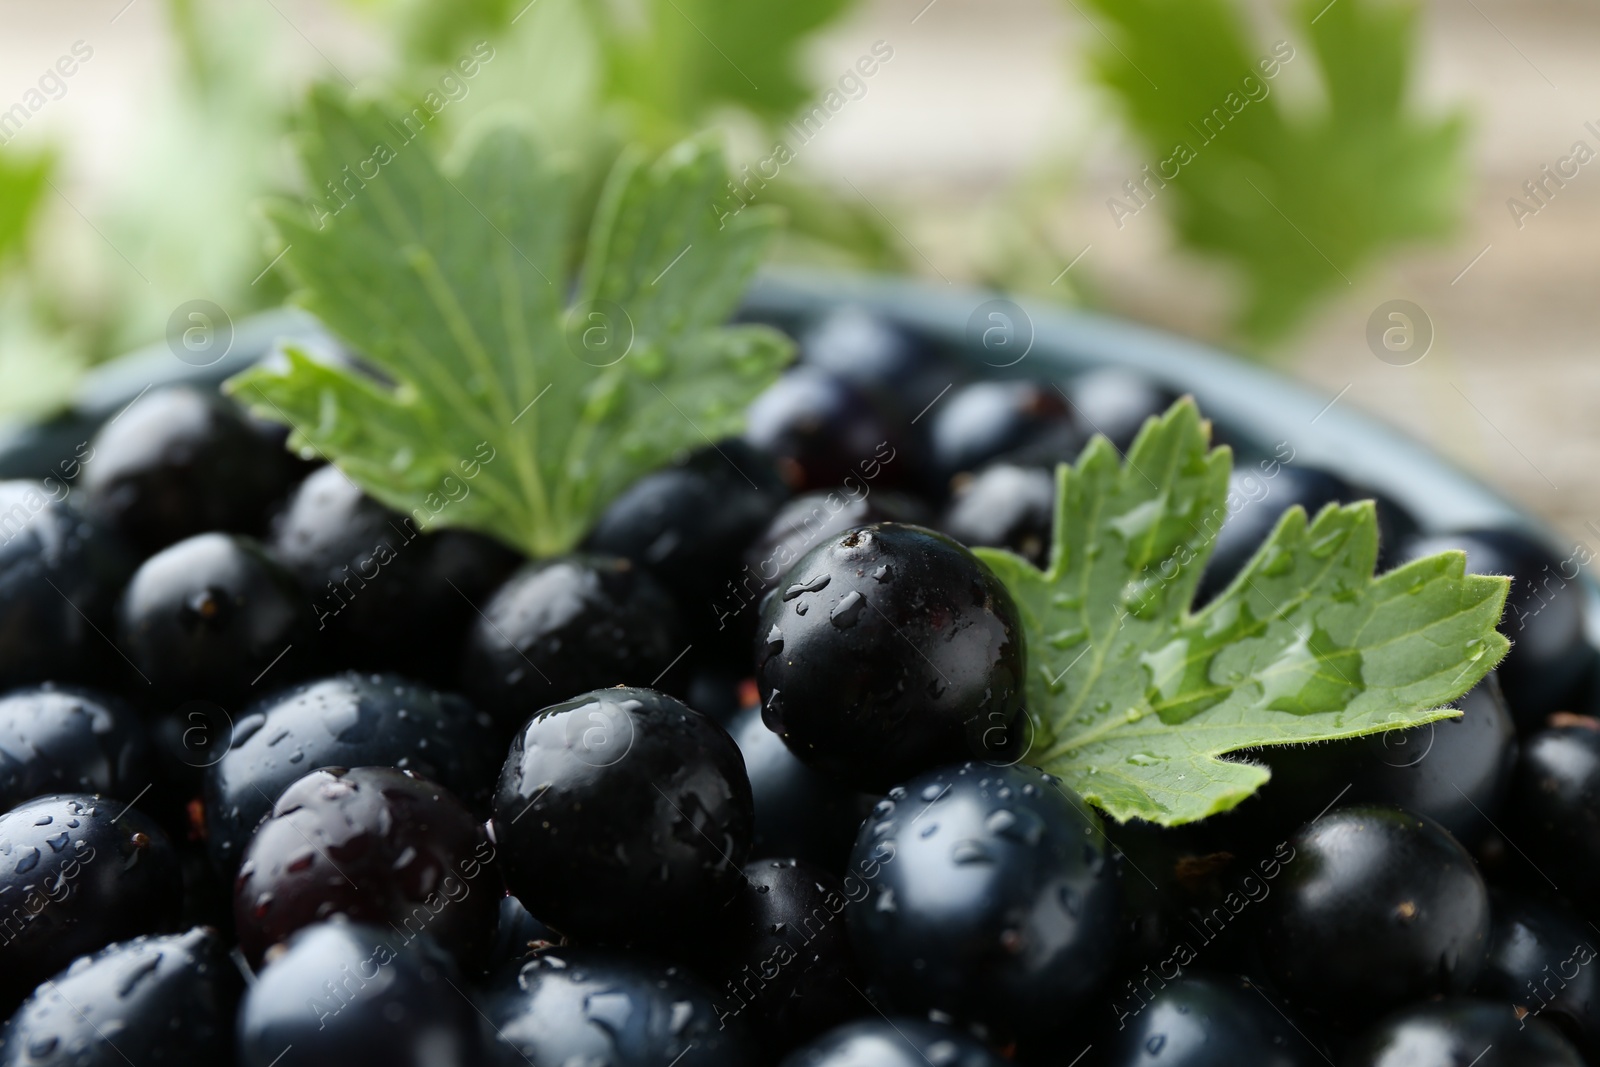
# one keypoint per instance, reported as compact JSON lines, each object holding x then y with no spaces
{"x":742,"y":781}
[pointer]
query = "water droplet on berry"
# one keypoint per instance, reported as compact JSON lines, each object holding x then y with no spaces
{"x":814,"y":585}
{"x":848,"y":611}
{"x":968,"y":852}
{"x":610,"y":1011}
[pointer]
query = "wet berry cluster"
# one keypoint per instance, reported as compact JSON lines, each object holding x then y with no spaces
{"x":290,"y":779}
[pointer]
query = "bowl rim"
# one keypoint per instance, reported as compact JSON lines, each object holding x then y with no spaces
{"x":1258,"y":403}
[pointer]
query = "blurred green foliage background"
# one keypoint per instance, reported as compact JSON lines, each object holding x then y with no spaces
{"x":1356,"y":172}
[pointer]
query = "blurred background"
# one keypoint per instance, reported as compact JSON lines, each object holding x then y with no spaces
{"x":1340,"y":156}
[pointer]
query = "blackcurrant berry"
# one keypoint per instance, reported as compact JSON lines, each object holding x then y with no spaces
{"x":623,"y":816}
{"x":359,"y":996}
{"x":152,"y":1000}
{"x":211,"y":617}
{"x":378,"y":845}
{"x":348,"y":720}
{"x":60,"y":739}
{"x":563,"y":626}
{"x":799,"y":812}
{"x":782,"y":960}
{"x":180,"y":462}
{"x":370,"y":573}
{"x":78,"y":872}
{"x":985,"y":421}
{"x":1204,"y":1020}
{"x":1450,"y":1033}
{"x":992,"y":897}
{"x":1541,"y":959}
{"x":583,"y":1006}
{"x":689,"y":524}
{"x":821,"y":430}
{"x":888,"y":651}
{"x":1005,"y":506}
{"x":1377,"y":908}
{"x":1555,"y":809}
{"x":59,"y":578}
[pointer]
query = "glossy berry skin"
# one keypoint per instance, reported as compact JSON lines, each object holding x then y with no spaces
{"x":806,"y":521}
{"x":691,"y":515}
{"x":590,"y":1006}
{"x":1204,"y":1020}
{"x":1555,"y":806}
{"x":1541,"y":958}
{"x":59,"y":739}
{"x":902,"y":370}
{"x":821,"y":430}
{"x":896,"y":1042}
{"x":888,"y":651}
{"x":1186,"y":889}
{"x":1377,"y":908}
{"x":797,"y":528}
{"x":347,"y":720}
{"x":1454,"y":1032}
{"x":688,"y":525}
{"x":871,"y":352}
{"x":783,"y":961}
{"x":179,"y":462}
{"x":78,"y":872}
{"x":1456,"y":772}
{"x":1116,"y":402}
{"x":800,"y":812}
{"x":205,"y":618}
{"x":1256,"y":502}
{"x":994,"y":898}
{"x":622,"y":816}
{"x":152,"y":1000}
{"x":1005,"y":506}
{"x":563,"y":626}
{"x":517,"y":935}
{"x":984,"y":421}
{"x":378,"y":845}
{"x":59,"y":578}
{"x":370,"y":572}
{"x":1544,"y":616}
{"x":359,"y":996}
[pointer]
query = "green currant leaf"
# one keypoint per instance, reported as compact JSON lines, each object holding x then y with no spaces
{"x":501,"y":403}
{"x":1298,"y":199}
{"x":678,"y":59}
{"x":1134,"y":697}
